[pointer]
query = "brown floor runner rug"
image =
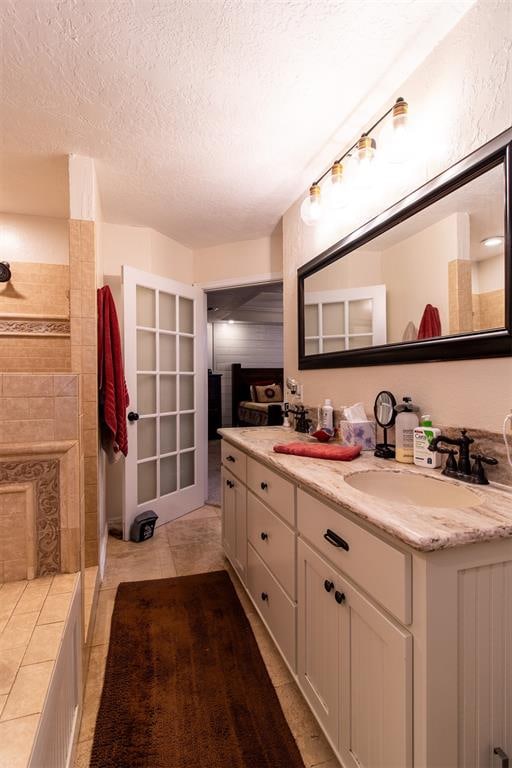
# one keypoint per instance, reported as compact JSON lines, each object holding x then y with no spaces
{"x":185,"y":685}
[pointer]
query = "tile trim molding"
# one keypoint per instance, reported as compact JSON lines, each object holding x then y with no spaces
{"x":44,"y":474}
{"x":30,"y":326}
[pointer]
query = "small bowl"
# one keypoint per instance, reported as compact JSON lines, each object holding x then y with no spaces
{"x":323,"y":435}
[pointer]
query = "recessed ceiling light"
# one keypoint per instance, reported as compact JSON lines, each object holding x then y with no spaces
{"x":491,"y":242}
{"x":231,"y":322}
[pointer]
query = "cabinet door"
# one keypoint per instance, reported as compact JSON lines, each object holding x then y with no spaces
{"x":319,"y":637}
{"x":234,"y":522}
{"x":376,"y":687}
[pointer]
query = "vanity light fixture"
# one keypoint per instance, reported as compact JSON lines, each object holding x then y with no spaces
{"x":365,"y":148}
{"x":492,"y":242}
{"x":311,"y":208}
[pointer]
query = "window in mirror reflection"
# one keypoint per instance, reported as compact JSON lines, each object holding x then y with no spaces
{"x":438,"y":273}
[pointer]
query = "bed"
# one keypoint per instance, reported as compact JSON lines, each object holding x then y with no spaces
{"x":246,"y":412}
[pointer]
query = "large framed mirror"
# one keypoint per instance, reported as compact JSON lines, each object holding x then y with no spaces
{"x":429,"y":279}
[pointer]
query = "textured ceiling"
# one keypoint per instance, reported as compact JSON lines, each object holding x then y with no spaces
{"x":205,"y":118}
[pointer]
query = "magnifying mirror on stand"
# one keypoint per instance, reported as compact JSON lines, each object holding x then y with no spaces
{"x":384,"y":410}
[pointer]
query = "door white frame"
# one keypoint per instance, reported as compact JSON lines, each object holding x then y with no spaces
{"x":193,"y":496}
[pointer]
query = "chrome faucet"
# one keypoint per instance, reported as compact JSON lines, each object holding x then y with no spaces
{"x":462,"y":468}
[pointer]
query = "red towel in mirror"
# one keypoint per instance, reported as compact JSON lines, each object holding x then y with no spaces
{"x":320,"y":450}
{"x":430,"y":325}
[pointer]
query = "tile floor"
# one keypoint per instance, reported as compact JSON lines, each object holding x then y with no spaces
{"x":189,"y":545}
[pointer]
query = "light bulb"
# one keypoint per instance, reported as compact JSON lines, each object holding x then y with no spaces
{"x":336,"y":188}
{"x":311,"y":208}
{"x":400,"y":139}
{"x":366,"y":148}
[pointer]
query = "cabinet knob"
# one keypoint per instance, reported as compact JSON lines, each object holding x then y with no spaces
{"x":263,"y":536}
{"x":502,"y":756}
{"x":230,"y":458}
{"x":263,"y":486}
{"x":328,"y":585}
{"x":133,"y":416}
{"x":230,"y":484}
{"x":264,"y":596}
{"x":339,"y":597}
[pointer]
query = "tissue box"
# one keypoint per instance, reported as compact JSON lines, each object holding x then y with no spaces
{"x":361,"y":433}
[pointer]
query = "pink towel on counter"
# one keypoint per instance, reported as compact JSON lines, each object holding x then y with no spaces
{"x":430,"y":325}
{"x":320,"y":451}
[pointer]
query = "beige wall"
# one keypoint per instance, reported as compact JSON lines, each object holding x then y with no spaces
{"x":245,"y":259}
{"x":144,"y":249}
{"x":456,"y":98}
{"x":38,"y":239}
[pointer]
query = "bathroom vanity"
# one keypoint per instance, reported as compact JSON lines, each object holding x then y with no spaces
{"x":394,"y":618}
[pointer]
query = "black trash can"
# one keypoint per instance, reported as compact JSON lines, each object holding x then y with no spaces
{"x":143,"y":526}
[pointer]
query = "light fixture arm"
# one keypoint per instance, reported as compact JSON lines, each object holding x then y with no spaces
{"x":400,"y":100}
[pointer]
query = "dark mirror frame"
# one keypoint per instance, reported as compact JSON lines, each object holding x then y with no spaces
{"x":481,"y":344}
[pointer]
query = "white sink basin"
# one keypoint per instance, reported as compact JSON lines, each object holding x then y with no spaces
{"x":408,"y":488}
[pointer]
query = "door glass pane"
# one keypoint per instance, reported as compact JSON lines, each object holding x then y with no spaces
{"x":146,"y":351}
{"x":356,"y":342}
{"x":167,"y":394}
{"x":186,"y":393}
{"x":186,"y":353}
{"x":167,"y":311}
{"x":146,"y":481}
{"x":333,"y":317}
{"x":334,"y":345}
{"x":168,"y":475}
{"x":186,"y":430}
{"x":145,"y":306}
{"x":167,"y":352}
{"x":186,"y":315}
{"x":311,"y":346}
{"x":146,"y":438}
{"x":187,"y":469}
{"x":146,"y":393}
{"x":167,"y":434}
{"x":311,"y":320}
{"x":360,"y":316}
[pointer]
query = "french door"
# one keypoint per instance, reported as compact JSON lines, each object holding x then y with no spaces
{"x":165,"y":361}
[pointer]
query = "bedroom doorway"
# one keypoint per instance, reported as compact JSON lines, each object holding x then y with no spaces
{"x":245,"y":327}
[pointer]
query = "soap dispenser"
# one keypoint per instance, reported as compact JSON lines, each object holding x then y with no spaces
{"x":405,"y":424}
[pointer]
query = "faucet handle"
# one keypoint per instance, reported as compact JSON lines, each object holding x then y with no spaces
{"x":478,"y":471}
{"x":451,"y":463}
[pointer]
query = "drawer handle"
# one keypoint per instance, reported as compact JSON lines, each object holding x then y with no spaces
{"x":263,"y":486}
{"x":502,"y":756}
{"x":264,"y":596}
{"x":328,"y":585}
{"x":339,"y":597}
{"x":335,"y":540}
{"x":230,"y":484}
{"x":263,"y":536}
{"x":230,"y":458}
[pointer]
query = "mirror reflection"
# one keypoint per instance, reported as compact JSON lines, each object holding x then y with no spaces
{"x":440,"y":272}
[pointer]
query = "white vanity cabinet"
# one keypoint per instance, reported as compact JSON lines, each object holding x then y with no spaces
{"x":354,"y":667}
{"x":403,"y":655}
{"x":234,"y":522}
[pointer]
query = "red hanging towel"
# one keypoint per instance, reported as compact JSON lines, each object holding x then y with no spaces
{"x":430,"y":325}
{"x":320,"y":451}
{"x":113,"y":393}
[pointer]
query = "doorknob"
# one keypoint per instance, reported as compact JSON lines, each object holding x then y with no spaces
{"x":133,"y":416}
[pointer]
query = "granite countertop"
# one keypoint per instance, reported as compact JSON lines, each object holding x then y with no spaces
{"x":422,"y":528}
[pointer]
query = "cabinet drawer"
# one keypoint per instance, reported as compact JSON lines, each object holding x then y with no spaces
{"x":273,"y":541}
{"x":383,"y":571}
{"x":275,"y":606}
{"x":234,"y":460}
{"x":275,"y":491}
